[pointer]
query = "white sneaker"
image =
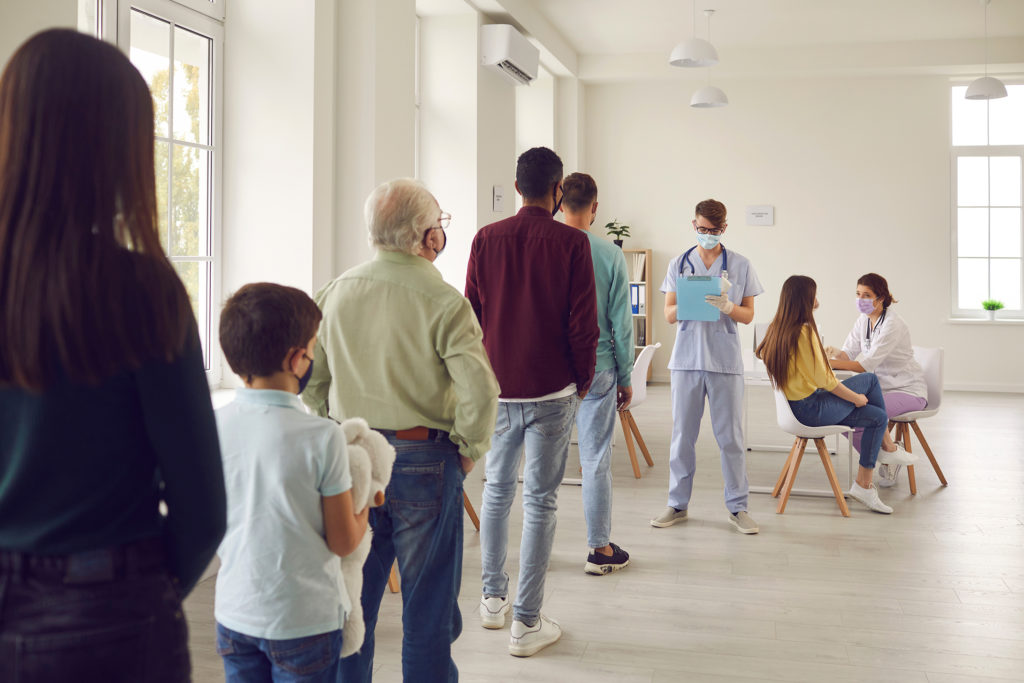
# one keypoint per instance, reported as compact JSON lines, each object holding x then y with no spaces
{"x":869,"y":498}
{"x":897,"y":457}
{"x":493,"y":611}
{"x":529,"y":640}
{"x":885,"y":475}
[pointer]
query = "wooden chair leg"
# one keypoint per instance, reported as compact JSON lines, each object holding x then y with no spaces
{"x":928,"y":452}
{"x":904,"y":437}
{"x":624,"y":419}
{"x":785,"y":469}
{"x":791,"y":477}
{"x":830,"y":472}
{"x":639,"y":439}
{"x":393,"y":584}
{"x":470,"y":511}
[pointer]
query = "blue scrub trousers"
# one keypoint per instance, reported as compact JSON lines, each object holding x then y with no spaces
{"x":724,"y":393}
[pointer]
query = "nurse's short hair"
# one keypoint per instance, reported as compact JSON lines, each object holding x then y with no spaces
{"x":398,"y":213}
{"x":713,"y":210}
{"x":879,"y":286}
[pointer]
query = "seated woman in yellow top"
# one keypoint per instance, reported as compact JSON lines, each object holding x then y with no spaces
{"x":796,"y":364}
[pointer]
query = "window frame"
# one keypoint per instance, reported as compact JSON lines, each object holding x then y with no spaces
{"x":956,"y":152}
{"x":115,"y":25}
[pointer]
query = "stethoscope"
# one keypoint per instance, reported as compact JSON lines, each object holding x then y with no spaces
{"x":881,"y":318}
{"x":686,"y":259}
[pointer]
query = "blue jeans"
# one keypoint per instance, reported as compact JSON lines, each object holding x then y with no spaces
{"x":311,"y":659}
{"x":724,"y":393}
{"x":595,"y":424}
{"x":420,"y":524}
{"x":825,"y":408}
{"x":544,"y":427}
{"x":109,"y":615}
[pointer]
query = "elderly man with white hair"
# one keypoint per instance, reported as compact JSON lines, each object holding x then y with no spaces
{"x":401,"y":348}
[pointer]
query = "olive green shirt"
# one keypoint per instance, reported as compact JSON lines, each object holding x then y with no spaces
{"x":401,"y":348}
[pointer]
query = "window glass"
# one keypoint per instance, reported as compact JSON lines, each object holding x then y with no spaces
{"x":1006,"y":282}
{"x":1005,"y":231}
{"x":972,"y":232}
{"x":973,"y":278}
{"x":1006,"y":116}
{"x":972,"y":181}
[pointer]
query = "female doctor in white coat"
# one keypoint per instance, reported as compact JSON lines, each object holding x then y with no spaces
{"x":880,"y":343}
{"x":706,"y":362}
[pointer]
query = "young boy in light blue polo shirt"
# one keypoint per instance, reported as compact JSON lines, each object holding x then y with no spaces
{"x":281,"y":600}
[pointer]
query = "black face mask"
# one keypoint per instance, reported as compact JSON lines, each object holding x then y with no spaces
{"x":437,"y":252}
{"x":558,"y":204}
{"x":304,"y":380}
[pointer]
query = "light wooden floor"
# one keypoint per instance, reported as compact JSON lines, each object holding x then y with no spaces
{"x":934,"y":592}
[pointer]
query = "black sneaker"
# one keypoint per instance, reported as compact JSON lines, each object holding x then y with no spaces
{"x":599,"y":564}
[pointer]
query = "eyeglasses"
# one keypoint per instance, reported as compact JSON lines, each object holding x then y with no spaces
{"x":707,"y":231}
{"x":444,"y":220}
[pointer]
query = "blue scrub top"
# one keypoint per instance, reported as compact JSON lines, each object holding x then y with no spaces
{"x":711,"y":346}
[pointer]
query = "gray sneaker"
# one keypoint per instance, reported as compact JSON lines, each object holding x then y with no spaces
{"x":885,"y":475}
{"x":744,"y":523}
{"x":493,"y":611}
{"x":669,"y":517}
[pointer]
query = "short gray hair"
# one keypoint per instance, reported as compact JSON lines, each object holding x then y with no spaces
{"x":398,"y":212}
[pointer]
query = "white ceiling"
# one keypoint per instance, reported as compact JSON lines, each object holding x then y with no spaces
{"x":619,"y":27}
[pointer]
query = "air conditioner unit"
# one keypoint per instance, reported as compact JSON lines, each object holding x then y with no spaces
{"x":504,"y":49}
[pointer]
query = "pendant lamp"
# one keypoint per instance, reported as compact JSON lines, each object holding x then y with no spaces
{"x":709,"y":96}
{"x":694,"y":52}
{"x":986,"y":87}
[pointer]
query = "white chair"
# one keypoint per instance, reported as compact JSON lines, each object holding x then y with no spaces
{"x":629,"y":428}
{"x":803,"y":433}
{"x":930,"y":360}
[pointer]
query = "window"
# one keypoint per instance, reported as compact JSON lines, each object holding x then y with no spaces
{"x":988,"y":185}
{"x":178,"y":53}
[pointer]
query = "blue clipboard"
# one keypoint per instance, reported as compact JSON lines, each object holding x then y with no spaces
{"x":690,"y":293}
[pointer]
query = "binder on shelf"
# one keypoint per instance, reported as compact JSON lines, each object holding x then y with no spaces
{"x":638,"y":266}
{"x":642,"y":299}
{"x":634,"y":299}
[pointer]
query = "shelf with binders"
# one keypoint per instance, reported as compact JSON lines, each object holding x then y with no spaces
{"x":638,"y":263}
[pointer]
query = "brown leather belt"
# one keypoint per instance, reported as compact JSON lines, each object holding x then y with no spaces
{"x":416,"y":434}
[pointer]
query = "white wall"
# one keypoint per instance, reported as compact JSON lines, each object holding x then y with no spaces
{"x":375,"y":121}
{"x":268,"y":145}
{"x":448,"y":130}
{"x":858,"y":170}
{"x":496,"y":143}
{"x":19,"y":20}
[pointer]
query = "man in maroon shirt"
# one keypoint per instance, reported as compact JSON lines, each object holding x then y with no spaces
{"x":530,"y":281}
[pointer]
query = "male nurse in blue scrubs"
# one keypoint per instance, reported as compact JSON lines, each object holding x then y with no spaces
{"x":706,"y":362}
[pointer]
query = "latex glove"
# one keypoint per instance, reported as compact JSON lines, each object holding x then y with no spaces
{"x":726,"y":285}
{"x":721,"y":302}
{"x":832,"y":352}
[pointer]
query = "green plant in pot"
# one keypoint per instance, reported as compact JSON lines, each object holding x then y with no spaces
{"x":619,"y":230}
{"x":991,"y":306}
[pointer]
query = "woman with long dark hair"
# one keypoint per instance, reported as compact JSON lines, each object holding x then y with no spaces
{"x":105,"y":413}
{"x":797,"y":365}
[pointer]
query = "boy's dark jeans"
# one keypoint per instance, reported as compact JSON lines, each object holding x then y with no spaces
{"x":108,"y":615}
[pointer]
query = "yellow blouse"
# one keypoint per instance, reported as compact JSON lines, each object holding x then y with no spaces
{"x":808,"y":369}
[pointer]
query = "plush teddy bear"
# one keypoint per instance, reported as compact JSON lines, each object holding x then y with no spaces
{"x":370,"y":459}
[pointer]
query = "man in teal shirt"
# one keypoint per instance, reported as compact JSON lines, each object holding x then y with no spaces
{"x":612,"y":386}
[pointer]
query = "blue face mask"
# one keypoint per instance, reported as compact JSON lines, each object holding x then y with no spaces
{"x":304,"y":380}
{"x":708,"y":242}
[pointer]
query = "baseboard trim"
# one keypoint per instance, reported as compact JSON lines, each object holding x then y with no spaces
{"x":991,"y":388}
{"x":657,"y":378}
